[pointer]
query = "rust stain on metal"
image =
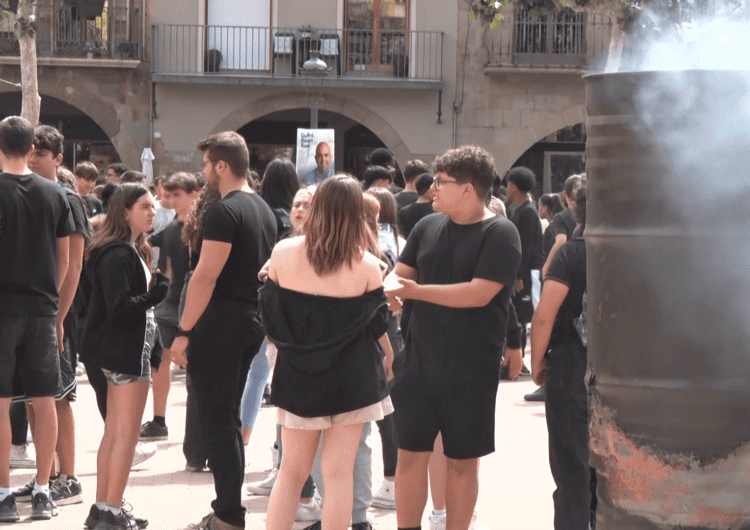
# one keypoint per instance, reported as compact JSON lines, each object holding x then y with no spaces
{"x":669,"y":490}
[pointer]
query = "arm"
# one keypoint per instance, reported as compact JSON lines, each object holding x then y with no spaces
{"x":116,"y":286}
{"x":476,"y":293}
{"x":69,"y":285}
{"x":553,"y":295}
{"x":214,"y":256}
{"x":560,"y":240}
{"x":385,"y":343}
{"x":63,"y":258}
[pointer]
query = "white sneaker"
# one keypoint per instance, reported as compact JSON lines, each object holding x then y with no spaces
{"x":385,"y":497}
{"x":309,"y":512}
{"x":143,"y":451}
{"x":437,"y":522}
{"x":265,"y":486}
{"x":80,"y":369}
{"x":475,"y":524}
{"x":22,"y":456}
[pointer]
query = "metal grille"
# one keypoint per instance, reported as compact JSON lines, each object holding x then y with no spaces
{"x":281,"y":52}
{"x":550,"y":39}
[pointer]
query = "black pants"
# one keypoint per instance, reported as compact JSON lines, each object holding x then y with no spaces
{"x":567,"y":423}
{"x":98,"y":382}
{"x":222,"y":346}
{"x":194,"y":445}
{"x":387,"y":429}
{"x":19,"y":423}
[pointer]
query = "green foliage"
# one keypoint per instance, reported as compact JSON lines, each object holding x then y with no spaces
{"x":488,"y":11}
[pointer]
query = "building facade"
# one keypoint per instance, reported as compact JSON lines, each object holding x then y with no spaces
{"x":240,"y":65}
{"x":94,"y":76}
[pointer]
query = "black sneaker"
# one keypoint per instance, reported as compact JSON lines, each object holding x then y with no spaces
{"x":23,"y":494}
{"x":95,"y":514}
{"x":537,"y":395}
{"x":43,"y":507}
{"x":153,"y":432}
{"x":8,"y":510}
{"x":110,"y":521}
{"x":66,"y":492}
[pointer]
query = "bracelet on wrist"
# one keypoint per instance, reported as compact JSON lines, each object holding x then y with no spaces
{"x":183,"y":333}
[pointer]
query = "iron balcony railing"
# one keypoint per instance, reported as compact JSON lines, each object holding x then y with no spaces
{"x":65,"y":30}
{"x":563,"y":39}
{"x":281,"y":52}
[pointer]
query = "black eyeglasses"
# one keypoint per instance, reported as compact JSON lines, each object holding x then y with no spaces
{"x":440,"y":181}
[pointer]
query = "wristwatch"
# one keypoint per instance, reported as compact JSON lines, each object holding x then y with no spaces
{"x":183,"y":333}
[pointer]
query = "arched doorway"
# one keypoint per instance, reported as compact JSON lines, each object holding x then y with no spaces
{"x":275,"y":134}
{"x":556,"y":157}
{"x":84,"y":138}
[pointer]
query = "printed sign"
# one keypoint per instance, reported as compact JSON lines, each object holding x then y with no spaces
{"x":315,"y":161}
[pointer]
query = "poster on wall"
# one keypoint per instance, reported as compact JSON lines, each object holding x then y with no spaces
{"x":315,"y":160}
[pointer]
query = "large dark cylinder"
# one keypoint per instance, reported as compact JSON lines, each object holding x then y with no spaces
{"x":668,"y":239}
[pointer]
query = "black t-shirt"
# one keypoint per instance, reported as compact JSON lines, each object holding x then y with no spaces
{"x":173,"y":255}
{"x":93,"y":205}
{"x":244,"y":220}
{"x":455,"y":345}
{"x":404,"y":198}
{"x":563,"y":223}
{"x":78,"y":211}
{"x":569,"y":267}
{"x":33,"y":214}
{"x":411,"y":214}
{"x":529,"y":229}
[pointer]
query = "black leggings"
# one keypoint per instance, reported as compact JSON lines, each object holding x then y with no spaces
{"x":19,"y":423}
{"x":387,"y":429}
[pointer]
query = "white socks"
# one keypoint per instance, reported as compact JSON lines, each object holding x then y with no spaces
{"x":40,"y":488}
{"x":438,"y":512}
{"x":4,"y":493}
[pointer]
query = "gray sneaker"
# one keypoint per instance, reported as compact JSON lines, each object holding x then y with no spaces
{"x":8,"y":510}
{"x":66,"y":492}
{"x":43,"y":507}
{"x":23,"y":494}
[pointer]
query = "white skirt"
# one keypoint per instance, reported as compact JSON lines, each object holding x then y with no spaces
{"x":374,"y":412}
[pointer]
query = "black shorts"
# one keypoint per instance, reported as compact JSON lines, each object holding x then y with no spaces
{"x":28,"y":350}
{"x":463,"y":413}
{"x":167,"y":331}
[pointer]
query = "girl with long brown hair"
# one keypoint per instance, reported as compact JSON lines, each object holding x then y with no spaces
{"x":324,"y":308}
{"x":121,"y":335}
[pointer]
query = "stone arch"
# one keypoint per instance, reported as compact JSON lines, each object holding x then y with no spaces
{"x":511,"y":151}
{"x":294,"y":100}
{"x":104,"y":114}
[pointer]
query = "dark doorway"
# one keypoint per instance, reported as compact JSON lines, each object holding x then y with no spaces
{"x":275,"y":135}
{"x":84,"y":139}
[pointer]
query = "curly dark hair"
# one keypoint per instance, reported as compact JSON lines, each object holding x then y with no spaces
{"x":468,"y":164}
{"x":49,"y":138}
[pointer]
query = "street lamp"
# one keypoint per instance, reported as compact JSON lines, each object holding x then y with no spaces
{"x":314,"y":67}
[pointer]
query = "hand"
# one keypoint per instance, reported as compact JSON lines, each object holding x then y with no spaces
{"x":178,"y":349}
{"x":404,"y":289}
{"x":60,"y":335}
{"x":394,"y":305}
{"x":388,"y":365}
{"x":519,"y":287}
{"x":513,"y":359}
{"x":263,"y":272}
{"x":539,"y":373}
{"x":153,"y":278}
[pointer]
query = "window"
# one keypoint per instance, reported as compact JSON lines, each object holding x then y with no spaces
{"x":550,"y":39}
{"x":377,"y":34}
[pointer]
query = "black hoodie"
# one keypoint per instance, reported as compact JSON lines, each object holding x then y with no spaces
{"x":115,"y":328}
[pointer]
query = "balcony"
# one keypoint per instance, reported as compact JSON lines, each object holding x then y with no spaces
{"x":562,"y":42}
{"x":274,"y":56}
{"x":75,"y":31}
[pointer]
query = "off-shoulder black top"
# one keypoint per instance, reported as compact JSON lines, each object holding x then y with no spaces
{"x":329,"y":361}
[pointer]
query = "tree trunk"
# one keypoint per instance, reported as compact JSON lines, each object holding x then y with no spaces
{"x":25,"y":30}
{"x":616,"y":42}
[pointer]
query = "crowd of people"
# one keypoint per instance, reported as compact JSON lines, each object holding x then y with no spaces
{"x":360,"y":301}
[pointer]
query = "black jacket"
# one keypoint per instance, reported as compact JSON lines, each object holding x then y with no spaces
{"x":115,"y":327}
{"x":329,"y":362}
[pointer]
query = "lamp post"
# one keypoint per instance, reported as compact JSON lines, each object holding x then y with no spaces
{"x":314,"y":68}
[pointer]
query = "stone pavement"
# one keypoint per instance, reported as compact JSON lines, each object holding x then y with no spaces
{"x":515,"y":489}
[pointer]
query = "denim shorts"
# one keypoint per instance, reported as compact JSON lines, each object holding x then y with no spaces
{"x":117,"y":378}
